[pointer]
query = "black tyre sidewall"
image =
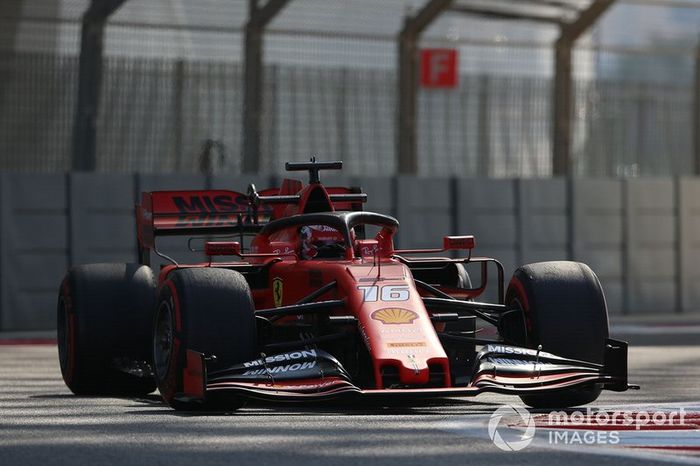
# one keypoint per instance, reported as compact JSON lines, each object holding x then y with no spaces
{"x":104,"y":314}
{"x":212,"y":313}
{"x":565,"y":312}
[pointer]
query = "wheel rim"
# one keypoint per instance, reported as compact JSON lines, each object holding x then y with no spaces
{"x":62,"y":334}
{"x":163,"y":341}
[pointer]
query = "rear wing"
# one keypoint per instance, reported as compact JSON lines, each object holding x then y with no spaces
{"x":182,"y":213}
{"x":219,"y":212}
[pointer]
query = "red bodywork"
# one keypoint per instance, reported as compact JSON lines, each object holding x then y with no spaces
{"x":372,"y":279}
{"x":378,"y":289}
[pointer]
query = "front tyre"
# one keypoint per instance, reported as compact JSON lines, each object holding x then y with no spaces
{"x":207,"y":310}
{"x":565,"y":311}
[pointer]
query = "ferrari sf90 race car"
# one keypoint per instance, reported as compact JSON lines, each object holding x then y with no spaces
{"x":302,"y":296}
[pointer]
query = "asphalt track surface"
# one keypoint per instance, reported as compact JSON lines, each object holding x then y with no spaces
{"x":42,"y":423}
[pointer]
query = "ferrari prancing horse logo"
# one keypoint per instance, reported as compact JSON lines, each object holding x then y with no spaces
{"x":277,"y":290}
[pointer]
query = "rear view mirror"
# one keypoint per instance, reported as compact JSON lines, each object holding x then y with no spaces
{"x":458,"y":242}
{"x":222,"y":248}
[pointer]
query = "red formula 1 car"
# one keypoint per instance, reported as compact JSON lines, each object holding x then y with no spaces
{"x":319,"y":304}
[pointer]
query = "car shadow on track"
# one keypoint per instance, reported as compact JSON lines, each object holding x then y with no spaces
{"x":153,"y":405}
{"x":55,"y":396}
{"x":441,"y":407}
{"x":66,"y":396}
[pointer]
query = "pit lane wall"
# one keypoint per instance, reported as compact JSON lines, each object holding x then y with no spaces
{"x":641,"y":236}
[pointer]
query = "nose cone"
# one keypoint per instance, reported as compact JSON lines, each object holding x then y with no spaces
{"x":408,"y":360}
{"x":395,"y":325}
{"x":402,"y":341}
{"x":414,"y":371}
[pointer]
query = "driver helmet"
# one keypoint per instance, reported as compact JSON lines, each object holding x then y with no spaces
{"x":318,"y":241}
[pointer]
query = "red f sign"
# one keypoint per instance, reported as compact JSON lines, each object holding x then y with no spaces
{"x":438,"y":68}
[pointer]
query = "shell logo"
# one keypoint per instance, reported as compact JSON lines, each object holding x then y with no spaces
{"x":394,"y":315}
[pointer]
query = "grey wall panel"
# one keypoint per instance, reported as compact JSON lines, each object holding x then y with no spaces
{"x":154,"y":182}
{"x":423,"y":206}
{"x":487,"y":209}
{"x":543,"y":217}
{"x":651,"y":245}
{"x":34,"y":250}
{"x":597,"y":234}
{"x":240,"y":183}
{"x":175,"y":247}
{"x":689,"y":243}
{"x":328,"y":178}
{"x":380,"y":194}
{"x":102,"y":218}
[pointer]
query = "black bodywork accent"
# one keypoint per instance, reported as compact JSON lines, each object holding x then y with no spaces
{"x":615,"y":364}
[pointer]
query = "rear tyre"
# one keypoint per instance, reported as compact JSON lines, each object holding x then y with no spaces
{"x":464,"y":280}
{"x":565,"y":312}
{"x":104,"y":325}
{"x":207,"y":310}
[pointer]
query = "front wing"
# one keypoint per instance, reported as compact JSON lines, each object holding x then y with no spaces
{"x":309,"y":375}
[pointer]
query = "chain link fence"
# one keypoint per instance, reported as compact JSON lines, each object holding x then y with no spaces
{"x":159,"y":115}
{"x":37,"y":104}
{"x":332,"y":93}
{"x":633,"y":129}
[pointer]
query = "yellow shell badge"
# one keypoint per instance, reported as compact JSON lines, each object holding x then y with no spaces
{"x":394,"y":315}
{"x":277,"y":291}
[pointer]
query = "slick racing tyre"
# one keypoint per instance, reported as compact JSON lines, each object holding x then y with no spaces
{"x":462,"y":276}
{"x":459,"y":279}
{"x":564,"y":311}
{"x":207,"y":310}
{"x":104,"y":327}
